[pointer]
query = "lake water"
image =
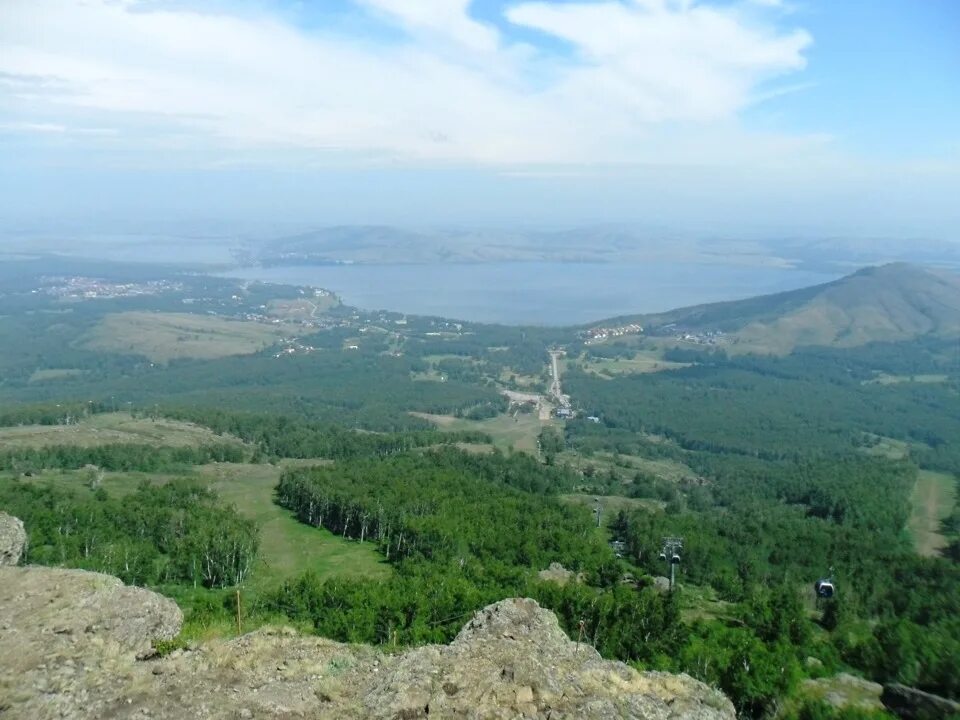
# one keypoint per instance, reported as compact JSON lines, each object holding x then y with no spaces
{"x":536,"y":293}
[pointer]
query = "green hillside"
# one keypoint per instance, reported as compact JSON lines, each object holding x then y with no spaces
{"x":887,"y":303}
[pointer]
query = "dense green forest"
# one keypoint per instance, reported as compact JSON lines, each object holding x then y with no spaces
{"x":815,"y":401}
{"x":175,"y":533}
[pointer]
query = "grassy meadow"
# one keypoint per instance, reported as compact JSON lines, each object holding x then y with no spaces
{"x":117,"y":427}
{"x":163,"y":337}
{"x":933,"y":499}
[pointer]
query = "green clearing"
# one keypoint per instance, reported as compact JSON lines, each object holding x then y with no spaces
{"x":700,"y":602}
{"x":611,"y":504}
{"x":887,"y":447}
{"x":302,"y":309}
{"x":48,"y":374}
{"x":114,"y":483}
{"x":118,"y":427}
{"x":885,"y":379}
{"x":626,"y":466}
{"x":162,"y":337}
{"x":933,"y":499}
{"x":287,"y":546}
{"x":520,"y":432}
{"x":645,"y":361}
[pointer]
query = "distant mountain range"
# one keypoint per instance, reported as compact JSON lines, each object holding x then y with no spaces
{"x":892,"y":302}
{"x":387,"y":245}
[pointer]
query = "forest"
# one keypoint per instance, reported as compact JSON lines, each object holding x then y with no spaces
{"x":795,"y":468}
{"x":173,"y":533}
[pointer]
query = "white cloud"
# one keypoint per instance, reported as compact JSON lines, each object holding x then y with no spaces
{"x":444,"y":20}
{"x":457,"y":90}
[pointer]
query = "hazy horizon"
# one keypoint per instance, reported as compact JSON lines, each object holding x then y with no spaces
{"x":749,"y":118}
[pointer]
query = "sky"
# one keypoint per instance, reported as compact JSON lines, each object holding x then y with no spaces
{"x":726,"y":116}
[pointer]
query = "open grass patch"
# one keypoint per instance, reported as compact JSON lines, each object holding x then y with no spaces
{"x":645,"y":361}
{"x":932,"y":500}
{"x":110,"y":428}
{"x":52,"y":374}
{"x":519,"y":432}
{"x":288,"y":547}
{"x":611,"y":504}
{"x":162,"y":337}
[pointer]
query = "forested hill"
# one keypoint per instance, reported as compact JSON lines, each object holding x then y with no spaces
{"x":886,"y":303}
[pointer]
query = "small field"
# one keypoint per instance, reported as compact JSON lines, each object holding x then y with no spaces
{"x":645,"y":361}
{"x":884,"y":379}
{"x":933,"y":499}
{"x":701,"y":602}
{"x":119,"y":427}
{"x":610,"y":505}
{"x":520,"y":432}
{"x":303,"y":309}
{"x":887,"y":447}
{"x":162,"y":337}
{"x":288,"y":548}
{"x":50,"y":374}
{"x":626,"y":466}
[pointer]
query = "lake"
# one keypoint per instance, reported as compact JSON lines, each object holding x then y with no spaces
{"x":537,"y":293}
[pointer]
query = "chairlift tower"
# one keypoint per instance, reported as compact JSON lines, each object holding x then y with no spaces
{"x":672,"y":546}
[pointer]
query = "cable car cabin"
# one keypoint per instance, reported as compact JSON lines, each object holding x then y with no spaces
{"x":824,"y":588}
{"x":675,"y":559}
{"x":663,"y":556}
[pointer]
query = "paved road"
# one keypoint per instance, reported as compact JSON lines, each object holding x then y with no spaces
{"x":555,"y":388}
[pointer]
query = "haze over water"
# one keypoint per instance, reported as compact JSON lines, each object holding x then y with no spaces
{"x":537,"y":293}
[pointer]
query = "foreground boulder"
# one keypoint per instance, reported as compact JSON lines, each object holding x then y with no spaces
{"x":513,"y":660}
{"x":13,"y":538}
{"x":70,"y":642}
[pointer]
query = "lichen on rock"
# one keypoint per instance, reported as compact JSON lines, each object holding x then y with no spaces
{"x":13,"y":539}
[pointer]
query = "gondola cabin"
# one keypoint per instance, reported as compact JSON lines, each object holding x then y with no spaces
{"x":824,"y":588}
{"x":675,"y":559}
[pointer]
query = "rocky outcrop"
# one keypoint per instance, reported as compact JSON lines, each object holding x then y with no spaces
{"x":559,"y":574}
{"x":513,"y":660}
{"x":843,"y":690}
{"x":912,"y":704}
{"x":13,"y":538}
{"x":73,"y":644}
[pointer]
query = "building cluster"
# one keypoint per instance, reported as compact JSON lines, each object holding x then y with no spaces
{"x":87,"y":288}
{"x":294,"y":347}
{"x":702,"y":337}
{"x":599,"y":334}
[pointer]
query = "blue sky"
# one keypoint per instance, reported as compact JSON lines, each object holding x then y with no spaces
{"x":725,"y":117}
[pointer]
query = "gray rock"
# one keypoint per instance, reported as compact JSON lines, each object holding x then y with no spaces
{"x":511,"y":660}
{"x":912,"y":704}
{"x":661,"y":583}
{"x":558,"y":573}
{"x":13,"y":539}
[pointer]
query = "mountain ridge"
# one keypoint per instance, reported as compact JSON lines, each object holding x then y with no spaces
{"x":892,"y":302}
